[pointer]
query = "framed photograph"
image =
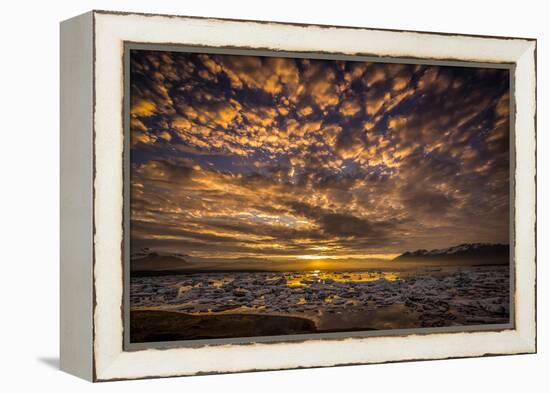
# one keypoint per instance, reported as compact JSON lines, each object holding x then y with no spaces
{"x":244,"y":195}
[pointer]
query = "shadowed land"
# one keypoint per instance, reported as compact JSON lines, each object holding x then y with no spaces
{"x":155,"y":326}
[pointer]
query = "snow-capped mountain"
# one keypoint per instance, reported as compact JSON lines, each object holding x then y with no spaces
{"x":467,"y":250}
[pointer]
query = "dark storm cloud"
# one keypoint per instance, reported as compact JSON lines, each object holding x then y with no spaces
{"x":243,"y":155}
{"x":338,"y":224}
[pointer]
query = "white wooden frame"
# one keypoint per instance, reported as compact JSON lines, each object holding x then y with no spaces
{"x":92,"y":279}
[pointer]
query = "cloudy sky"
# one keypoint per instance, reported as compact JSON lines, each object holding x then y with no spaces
{"x":245,"y":156}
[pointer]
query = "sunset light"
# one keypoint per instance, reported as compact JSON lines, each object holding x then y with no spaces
{"x":253,"y":157}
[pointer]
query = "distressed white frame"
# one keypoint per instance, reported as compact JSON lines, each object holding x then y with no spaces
{"x":110,"y":30}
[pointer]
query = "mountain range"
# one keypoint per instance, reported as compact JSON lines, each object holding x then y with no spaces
{"x":466,"y":251}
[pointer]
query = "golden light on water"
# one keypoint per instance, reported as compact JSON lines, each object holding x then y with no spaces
{"x":306,"y":278}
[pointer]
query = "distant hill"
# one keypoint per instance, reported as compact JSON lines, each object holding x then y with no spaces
{"x":146,"y":252}
{"x":146,"y":260}
{"x":483,"y":253}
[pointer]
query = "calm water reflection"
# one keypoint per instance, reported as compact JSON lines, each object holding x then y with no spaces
{"x":305,"y":279}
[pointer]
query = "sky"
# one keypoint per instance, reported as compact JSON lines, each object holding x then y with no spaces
{"x":272,"y":157}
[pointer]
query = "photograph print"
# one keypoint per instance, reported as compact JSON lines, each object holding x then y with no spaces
{"x":283,"y":196}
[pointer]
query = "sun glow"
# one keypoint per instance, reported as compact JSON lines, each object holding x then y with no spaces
{"x":352,"y":256}
{"x":314,"y":257}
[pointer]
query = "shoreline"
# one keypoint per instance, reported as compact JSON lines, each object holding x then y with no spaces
{"x":155,"y":326}
{"x":150,"y":326}
{"x":403,"y":267}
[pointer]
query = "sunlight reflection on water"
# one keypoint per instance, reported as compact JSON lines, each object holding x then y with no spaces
{"x":305,"y":279}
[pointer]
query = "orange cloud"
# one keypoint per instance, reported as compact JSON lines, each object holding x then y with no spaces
{"x":314,"y":153}
{"x":349,"y":108}
{"x":143,"y":108}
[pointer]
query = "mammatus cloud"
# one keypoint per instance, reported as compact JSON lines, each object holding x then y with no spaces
{"x":249,"y":156}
